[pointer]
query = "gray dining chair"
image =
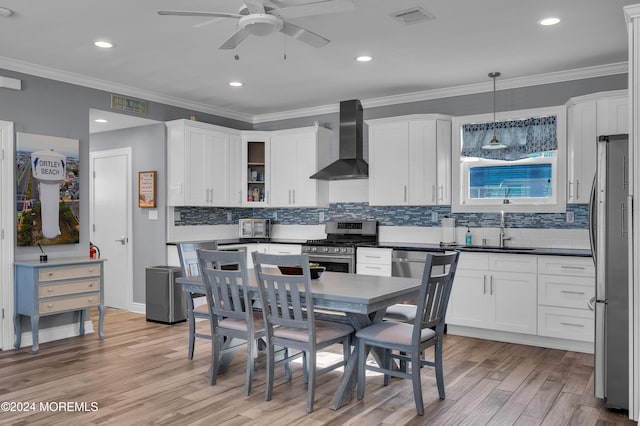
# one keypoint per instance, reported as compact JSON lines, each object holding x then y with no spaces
{"x":287,"y":304}
{"x":410,"y":340}
{"x":188,"y":253}
{"x":224,"y":274}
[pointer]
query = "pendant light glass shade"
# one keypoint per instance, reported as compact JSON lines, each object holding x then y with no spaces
{"x":494,"y":143}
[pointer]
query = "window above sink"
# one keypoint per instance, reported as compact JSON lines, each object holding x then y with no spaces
{"x":526,"y":174}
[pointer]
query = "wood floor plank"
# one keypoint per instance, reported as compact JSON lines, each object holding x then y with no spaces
{"x":140,"y":375}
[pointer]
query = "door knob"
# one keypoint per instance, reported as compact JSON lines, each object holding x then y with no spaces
{"x":123,"y":240}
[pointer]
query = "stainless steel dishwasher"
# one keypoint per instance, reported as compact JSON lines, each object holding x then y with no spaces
{"x":409,"y":263}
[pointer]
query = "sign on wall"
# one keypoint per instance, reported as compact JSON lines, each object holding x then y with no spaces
{"x":48,"y":190}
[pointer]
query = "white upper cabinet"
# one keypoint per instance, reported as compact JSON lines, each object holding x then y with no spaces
{"x":296,"y":154}
{"x":256,"y":168}
{"x":410,"y":161}
{"x":198,"y":163}
{"x":589,"y":117}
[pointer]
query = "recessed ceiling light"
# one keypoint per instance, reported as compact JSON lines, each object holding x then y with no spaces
{"x":236,"y":84}
{"x":548,"y":21}
{"x":100,"y":120}
{"x":103,"y":44}
{"x":363,"y":58}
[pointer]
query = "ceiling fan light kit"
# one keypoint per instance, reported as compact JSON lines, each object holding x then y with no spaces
{"x":260,"y":24}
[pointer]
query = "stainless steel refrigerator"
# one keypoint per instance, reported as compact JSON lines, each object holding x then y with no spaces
{"x":609,"y":232}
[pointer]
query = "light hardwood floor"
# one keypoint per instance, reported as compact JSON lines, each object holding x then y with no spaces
{"x":140,"y":375}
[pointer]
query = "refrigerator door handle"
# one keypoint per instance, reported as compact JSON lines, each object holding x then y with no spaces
{"x":592,"y":221}
{"x":591,"y":304}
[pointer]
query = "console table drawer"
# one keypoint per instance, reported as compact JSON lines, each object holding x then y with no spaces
{"x":66,"y":273}
{"x":84,"y":286}
{"x":69,"y":303}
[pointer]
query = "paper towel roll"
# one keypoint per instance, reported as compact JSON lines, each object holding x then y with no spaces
{"x":448,"y":226}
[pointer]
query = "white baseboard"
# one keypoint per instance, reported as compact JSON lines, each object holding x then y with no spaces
{"x":522,"y":339}
{"x":138,"y":308}
{"x":56,"y":333}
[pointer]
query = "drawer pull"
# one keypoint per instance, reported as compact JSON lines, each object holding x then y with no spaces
{"x":90,"y":299}
{"x":372,"y":267}
{"x":90,"y":269}
{"x":572,"y":292}
{"x":572,"y":267}
{"x":372,"y":257}
{"x":50,"y":274}
{"x":49,"y":305}
{"x":572,"y":325}
{"x":50,"y":290}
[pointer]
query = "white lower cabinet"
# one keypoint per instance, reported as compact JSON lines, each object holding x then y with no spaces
{"x":373,"y":261}
{"x":495,"y":292}
{"x":565,"y":286}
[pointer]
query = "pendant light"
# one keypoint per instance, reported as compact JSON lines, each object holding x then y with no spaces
{"x":494,"y":144}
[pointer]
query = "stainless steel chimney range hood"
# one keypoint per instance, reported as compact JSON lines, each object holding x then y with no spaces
{"x":351,"y":164}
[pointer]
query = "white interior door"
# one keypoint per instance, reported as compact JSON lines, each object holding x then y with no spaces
{"x":111,"y":222}
{"x":7,"y":226}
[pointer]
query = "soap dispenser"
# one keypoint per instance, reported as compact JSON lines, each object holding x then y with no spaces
{"x":468,"y":240}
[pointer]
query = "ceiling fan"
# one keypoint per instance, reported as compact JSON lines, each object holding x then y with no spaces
{"x":262,"y":17}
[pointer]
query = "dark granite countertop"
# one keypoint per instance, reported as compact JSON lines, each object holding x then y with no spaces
{"x":480,"y":249}
{"x":230,"y":241}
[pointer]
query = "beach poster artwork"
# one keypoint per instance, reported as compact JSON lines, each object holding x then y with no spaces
{"x":48,"y":190}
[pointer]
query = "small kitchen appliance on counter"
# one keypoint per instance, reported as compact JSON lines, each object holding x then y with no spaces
{"x":337,"y":253}
{"x":255,"y":228}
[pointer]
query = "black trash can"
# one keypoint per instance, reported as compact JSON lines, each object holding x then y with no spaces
{"x":165,"y":301}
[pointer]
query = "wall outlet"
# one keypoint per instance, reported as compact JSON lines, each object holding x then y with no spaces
{"x":321,"y":217}
{"x":434,"y":216}
{"x":177,"y":216}
{"x":229,"y":217}
{"x":275,"y":215}
{"x":570,"y":217}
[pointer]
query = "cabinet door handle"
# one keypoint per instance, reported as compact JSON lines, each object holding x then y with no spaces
{"x":572,"y":267}
{"x":577,"y":189}
{"x":294,"y":196}
{"x":441,"y":193}
{"x":289,"y":196}
{"x":491,"y":285}
{"x":484,"y":284}
{"x":571,"y":292}
{"x":405,"y":193}
{"x":433,"y":193}
{"x":570,"y":324}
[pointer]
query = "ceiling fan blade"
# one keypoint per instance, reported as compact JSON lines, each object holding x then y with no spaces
{"x":317,"y":8}
{"x":255,"y":6}
{"x":235,"y":39}
{"x":303,"y":35}
{"x":192,"y":13}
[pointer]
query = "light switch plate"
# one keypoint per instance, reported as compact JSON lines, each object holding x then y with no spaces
{"x":321,"y":217}
{"x":434,"y":217}
{"x":229,"y":217}
{"x":153,"y":214}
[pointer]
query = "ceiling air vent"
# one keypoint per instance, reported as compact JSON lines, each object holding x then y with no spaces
{"x":412,"y":16}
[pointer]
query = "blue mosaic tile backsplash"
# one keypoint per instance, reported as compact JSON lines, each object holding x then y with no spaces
{"x":385,"y":215}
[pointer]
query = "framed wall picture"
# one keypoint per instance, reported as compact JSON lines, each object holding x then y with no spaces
{"x":48,"y":190}
{"x":147,"y":189}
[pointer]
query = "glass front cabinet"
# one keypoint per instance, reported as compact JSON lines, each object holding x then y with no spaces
{"x":256,"y":173}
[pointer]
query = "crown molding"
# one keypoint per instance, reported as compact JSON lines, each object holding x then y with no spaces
{"x":501,"y":84}
{"x":107,"y":86}
{"x":469,"y":89}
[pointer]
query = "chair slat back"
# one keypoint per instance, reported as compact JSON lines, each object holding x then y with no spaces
{"x":226,"y":282}
{"x":437,"y":281}
{"x":286,"y":299}
{"x":188,"y":253}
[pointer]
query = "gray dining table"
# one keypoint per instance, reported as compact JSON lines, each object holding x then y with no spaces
{"x":363,"y":299}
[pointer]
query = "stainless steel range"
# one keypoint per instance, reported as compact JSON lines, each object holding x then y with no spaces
{"x":337,"y":252}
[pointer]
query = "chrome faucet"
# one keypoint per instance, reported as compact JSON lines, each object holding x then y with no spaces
{"x":503,"y":225}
